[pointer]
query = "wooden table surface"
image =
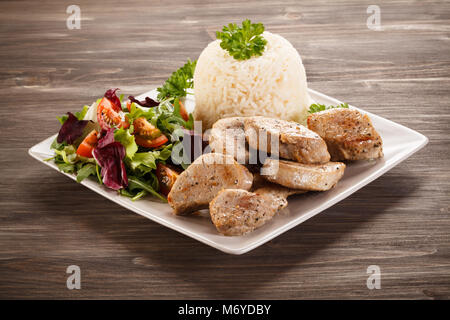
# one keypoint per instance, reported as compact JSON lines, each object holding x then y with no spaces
{"x":399,"y":222}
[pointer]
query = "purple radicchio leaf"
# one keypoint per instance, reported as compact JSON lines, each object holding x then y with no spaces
{"x":109,"y":155}
{"x":112,"y":96}
{"x":110,"y":158}
{"x":148,"y":102}
{"x":71,"y":130}
{"x":106,"y":137}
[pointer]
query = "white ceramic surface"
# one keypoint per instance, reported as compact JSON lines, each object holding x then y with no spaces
{"x":399,"y":143}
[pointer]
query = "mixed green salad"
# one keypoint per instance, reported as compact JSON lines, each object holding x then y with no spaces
{"x":127,"y":145}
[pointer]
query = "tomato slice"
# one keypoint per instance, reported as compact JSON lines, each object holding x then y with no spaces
{"x":183,"y":112}
{"x":88,"y":144}
{"x":151,"y":143}
{"x":166,"y":178}
{"x":147,"y":135}
{"x":144,"y":128}
{"x":108,"y":116}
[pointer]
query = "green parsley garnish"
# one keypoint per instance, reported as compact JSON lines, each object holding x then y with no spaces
{"x":178,"y":83}
{"x":242,"y":42}
{"x":317,"y":107}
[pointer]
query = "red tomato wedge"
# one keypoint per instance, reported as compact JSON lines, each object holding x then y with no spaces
{"x":166,"y":178}
{"x":144,"y":128}
{"x":147,"y":135}
{"x":108,"y":116}
{"x":148,"y":143}
{"x":183,"y":112}
{"x":88,"y":144}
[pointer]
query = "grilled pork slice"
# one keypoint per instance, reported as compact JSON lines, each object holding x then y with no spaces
{"x":295,"y":142}
{"x":235,"y":212}
{"x":259,"y":181}
{"x":349,"y":134}
{"x":227,"y":136}
{"x":203,"y":179}
{"x":313,"y":177}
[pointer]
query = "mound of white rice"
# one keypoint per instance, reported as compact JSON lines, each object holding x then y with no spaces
{"x":272,"y":85}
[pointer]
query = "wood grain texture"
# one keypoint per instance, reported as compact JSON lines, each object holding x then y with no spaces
{"x":399,"y":222}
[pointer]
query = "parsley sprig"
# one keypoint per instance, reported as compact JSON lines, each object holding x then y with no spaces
{"x":178,"y":83}
{"x":317,"y":107}
{"x":242,"y":42}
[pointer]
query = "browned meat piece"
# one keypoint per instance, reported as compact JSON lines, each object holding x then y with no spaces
{"x":204,"y":178}
{"x":236,"y":212}
{"x":296,"y":142}
{"x":314,"y":177}
{"x":227,"y":136}
{"x":259,"y":181}
{"x":349,"y":134}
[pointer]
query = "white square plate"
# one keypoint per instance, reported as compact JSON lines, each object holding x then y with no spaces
{"x":399,"y":143}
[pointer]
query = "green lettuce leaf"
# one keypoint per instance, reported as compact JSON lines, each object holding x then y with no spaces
{"x":135,"y":183}
{"x":145,"y":162}
{"x":146,"y":159}
{"x":66,"y":155}
{"x":138,"y":112}
{"x":66,"y":167}
{"x":86,"y":170}
{"x":127,"y":140}
{"x":80,"y":115}
{"x":317,"y":107}
{"x":58,"y":146}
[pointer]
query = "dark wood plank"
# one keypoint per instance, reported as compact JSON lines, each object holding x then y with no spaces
{"x":399,"y":222}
